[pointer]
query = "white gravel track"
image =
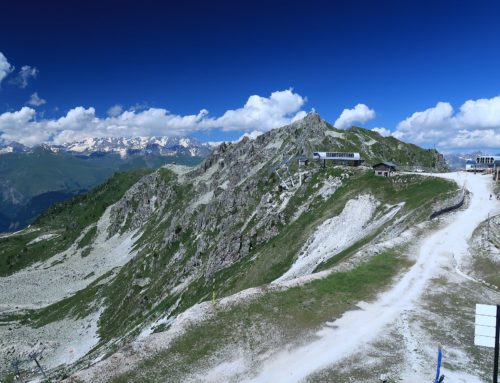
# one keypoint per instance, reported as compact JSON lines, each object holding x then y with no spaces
{"x":348,"y":334}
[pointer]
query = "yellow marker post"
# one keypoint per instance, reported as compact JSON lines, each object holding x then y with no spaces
{"x":213,"y":292}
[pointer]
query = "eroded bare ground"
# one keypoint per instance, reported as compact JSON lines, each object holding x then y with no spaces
{"x":407,"y":350}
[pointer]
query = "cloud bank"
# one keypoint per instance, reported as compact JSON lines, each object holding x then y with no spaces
{"x":258,"y":114}
{"x":475,"y":125}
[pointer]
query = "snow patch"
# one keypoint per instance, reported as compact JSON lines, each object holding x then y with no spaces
{"x":204,"y":199}
{"x":274,"y":144}
{"x":221,"y":373}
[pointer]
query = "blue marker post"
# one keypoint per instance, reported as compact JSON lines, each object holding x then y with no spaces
{"x":438,"y":371}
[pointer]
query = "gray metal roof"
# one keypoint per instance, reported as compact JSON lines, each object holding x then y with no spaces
{"x":387,"y":163}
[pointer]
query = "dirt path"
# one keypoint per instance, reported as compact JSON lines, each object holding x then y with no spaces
{"x":354,"y":329}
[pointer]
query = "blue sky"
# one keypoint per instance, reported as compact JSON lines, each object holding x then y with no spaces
{"x":395,"y":57}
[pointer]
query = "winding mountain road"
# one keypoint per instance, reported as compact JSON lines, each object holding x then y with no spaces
{"x":354,"y":329}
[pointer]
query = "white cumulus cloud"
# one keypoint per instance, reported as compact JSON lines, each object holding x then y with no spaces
{"x":480,"y":114}
{"x":25,"y":74}
{"x":426,"y":126}
{"x":36,"y":100}
{"x":475,"y":125}
{"x":382,"y":131}
{"x":5,"y":67}
{"x":477,"y":138}
{"x":259,"y":114}
{"x":18,"y":126}
{"x":264,"y":113}
{"x":251,"y":135}
{"x":360,"y":113}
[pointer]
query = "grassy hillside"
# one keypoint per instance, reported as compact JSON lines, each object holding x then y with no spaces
{"x":128,"y":307}
{"x":275,"y":257}
{"x":294,"y":313}
{"x":66,"y":220}
{"x":272,"y":320}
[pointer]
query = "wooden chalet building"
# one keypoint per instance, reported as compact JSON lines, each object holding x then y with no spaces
{"x":384,"y":169}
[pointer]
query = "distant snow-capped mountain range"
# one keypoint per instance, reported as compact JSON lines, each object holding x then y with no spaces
{"x":167,"y":146}
{"x":457,"y":161}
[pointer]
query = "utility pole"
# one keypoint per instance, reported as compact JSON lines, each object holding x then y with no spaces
{"x":15,"y":365}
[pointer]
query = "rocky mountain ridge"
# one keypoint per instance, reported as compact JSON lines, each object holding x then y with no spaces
{"x":224,"y":182}
{"x":238,"y":220}
{"x":167,"y":146}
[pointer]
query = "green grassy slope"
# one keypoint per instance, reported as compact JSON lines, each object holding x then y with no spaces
{"x":270,"y":321}
{"x":67,"y":219}
{"x":128,"y":307}
{"x":292,"y":314}
{"x":182,"y":237}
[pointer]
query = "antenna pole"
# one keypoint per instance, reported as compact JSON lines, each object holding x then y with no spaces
{"x":497,"y":339}
{"x":213,"y":292}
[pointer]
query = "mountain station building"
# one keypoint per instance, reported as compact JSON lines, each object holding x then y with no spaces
{"x":339,"y":158}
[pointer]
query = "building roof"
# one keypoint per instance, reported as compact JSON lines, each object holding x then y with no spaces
{"x":386,"y":163}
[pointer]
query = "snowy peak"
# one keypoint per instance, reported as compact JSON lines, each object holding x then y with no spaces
{"x":167,"y":146}
{"x":162,"y":145}
{"x":12,"y":147}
